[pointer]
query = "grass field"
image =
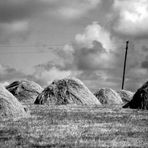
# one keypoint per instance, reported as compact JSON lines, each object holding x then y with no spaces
{"x":76,"y":126}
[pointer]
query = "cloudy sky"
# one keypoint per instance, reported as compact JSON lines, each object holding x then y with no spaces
{"x":43,"y":40}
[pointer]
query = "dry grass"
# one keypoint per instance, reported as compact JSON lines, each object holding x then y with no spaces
{"x":77,"y":126}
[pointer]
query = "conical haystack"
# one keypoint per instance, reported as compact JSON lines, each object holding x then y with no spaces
{"x":140,"y":99}
{"x":108,"y":96}
{"x":10,"y":107}
{"x":125,"y":95}
{"x":25,"y":90}
{"x":67,"y":91}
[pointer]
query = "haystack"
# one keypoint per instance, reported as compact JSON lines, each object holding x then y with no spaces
{"x":125,"y":95}
{"x":140,"y":99}
{"x":67,"y":91}
{"x":10,"y":107}
{"x":25,"y":90}
{"x":108,"y":96}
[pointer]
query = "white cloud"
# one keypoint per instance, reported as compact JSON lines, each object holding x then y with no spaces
{"x":91,"y":50}
{"x":4,"y":83}
{"x":95,"y":32}
{"x":94,"y":48}
{"x":52,"y":74}
{"x":133,"y":17}
{"x":18,"y":26}
{"x":68,"y":48}
{"x":2,"y":69}
{"x":102,"y":74}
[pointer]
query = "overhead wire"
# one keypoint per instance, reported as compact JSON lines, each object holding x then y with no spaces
{"x":29,"y":51}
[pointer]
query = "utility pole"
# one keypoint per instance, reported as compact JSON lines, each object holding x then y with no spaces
{"x":124,"y":69}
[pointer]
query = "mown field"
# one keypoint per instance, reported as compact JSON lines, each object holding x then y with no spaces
{"x":76,"y":126}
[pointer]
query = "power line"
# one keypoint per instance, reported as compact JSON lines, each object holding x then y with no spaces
{"x":42,"y":45}
{"x":24,"y":52}
{"x":27,"y":51}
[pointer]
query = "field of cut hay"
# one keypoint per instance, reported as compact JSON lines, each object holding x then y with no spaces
{"x":76,"y":126}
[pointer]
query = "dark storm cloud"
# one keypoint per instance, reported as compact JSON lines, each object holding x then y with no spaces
{"x":7,"y":73}
{"x":47,"y":66}
{"x":15,"y":18}
{"x":84,"y":58}
{"x":16,"y":10}
{"x":144,"y":64}
{"x":145,"y":49}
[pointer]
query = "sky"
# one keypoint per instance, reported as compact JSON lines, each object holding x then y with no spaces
{"x":44,"y":40}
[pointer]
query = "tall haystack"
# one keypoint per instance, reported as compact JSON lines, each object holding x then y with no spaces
{"x":67,"y":91}
{"x":140,"y":99}
{"x":125,"y":95}
{"x":25,"y":90}
{"x":10,"y":107}
{"x":108,"y":96}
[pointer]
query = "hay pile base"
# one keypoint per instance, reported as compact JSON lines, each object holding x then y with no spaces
{"x":25,"y":90}
{"x":140,"y":99}
{"x":10,"y":107}
{"x":108,"y":96}
{"x":67,"y":91}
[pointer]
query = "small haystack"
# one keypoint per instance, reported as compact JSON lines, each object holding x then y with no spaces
{"x":67,"y":91}
{"x":10,"y":107}
{"x":125,"y":95}
{"x":108,"y":96}
{"x":140,"y":99}
{"x":25,"y":90}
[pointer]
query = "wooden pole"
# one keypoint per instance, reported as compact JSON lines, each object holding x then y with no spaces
{"x":124,"y":69}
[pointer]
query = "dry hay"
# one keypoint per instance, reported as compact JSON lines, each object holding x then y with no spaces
{"x":125,"y":95}
{"x":67,"y":91}
{"x":140,"y":99}
{"x":25,"y":90}
{"x":108,"y":96}
{"x":10,"y":107}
